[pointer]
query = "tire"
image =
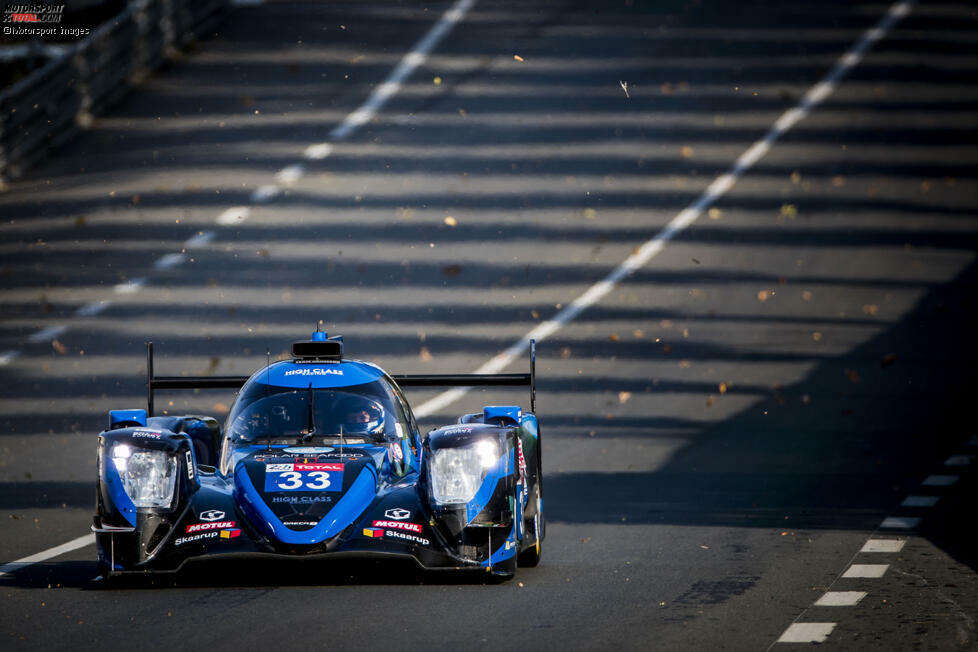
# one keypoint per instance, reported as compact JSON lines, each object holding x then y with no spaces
{"x":530,"y":557}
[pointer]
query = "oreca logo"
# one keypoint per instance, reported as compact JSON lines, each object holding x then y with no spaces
{"x":315,"y":371}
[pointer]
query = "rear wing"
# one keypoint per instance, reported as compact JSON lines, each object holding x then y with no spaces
{"x":154,"y":382}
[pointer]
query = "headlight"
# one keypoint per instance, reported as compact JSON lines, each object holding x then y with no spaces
{"x":149,"y":477}
{"x":457,"y":473}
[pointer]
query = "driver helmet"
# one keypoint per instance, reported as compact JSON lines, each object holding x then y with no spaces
{"x":360,"y":415}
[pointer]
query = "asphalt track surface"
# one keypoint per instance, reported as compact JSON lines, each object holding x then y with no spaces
{"x":724,"y":430}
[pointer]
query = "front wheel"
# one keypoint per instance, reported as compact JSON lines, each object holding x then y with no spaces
{"x":530,"y":557}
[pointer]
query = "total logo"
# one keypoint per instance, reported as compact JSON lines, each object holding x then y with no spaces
{"x":315,"y":371}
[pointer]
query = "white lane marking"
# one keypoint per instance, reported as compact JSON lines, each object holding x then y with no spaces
{"x":202,"y":238}
{"x":170,"y":260}
{"x":265,"y":193}
{"x":807,"y":633}
{"x":919,"y":501}
{"x":289,"y":175}
{"x":840,"y":598}
{"x":74,"y":544}
{"x":900,"y":522}
{"x":7,"y":357}
{"x":234,"y":215}
{"x":131,"y":286}
{"x":940,"y":480}
{"x":407,"y":65}
{"x":47,"y":334}
{"x":720,"y":186}
{"x":93,"y":308}
{"x":883,"y":545}
{"x":960,"y":460}
{"x":874,"y":571}
{"x":318,"y":151}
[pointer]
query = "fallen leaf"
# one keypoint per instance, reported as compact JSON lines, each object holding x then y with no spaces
{"x":764,"y":295}
{"x":888,"y":359}
{"x":518,"y":58}
{"x":436,"y":81}
{"x":685,"y":364}
{"x":590,"y":213}
{"x":714,"y":213}
{"x":710,"y":400}
{"x":870,"y":309}
{"x":687,"y":152}
{"x":220,"y":408}
{"x":451,"y":221}
{"x":613,"y":337}
{"x":796,"y":177}
{"x":59,"y":347}
{"x":565,"y":353}
{"x":638,"y":333}
{"x":806,"y":295}
{"x":789,"y":210}
{"x":534,"y":314}
{"x":852,"y":375}
{"x":723,"y":388}
{"x":817,"y":336}
{"x":624,"y":87}
{"x":705,"y":547}
{"x":838,"y":181}
{"x":425,"y":354}
{"x":624,"y":396}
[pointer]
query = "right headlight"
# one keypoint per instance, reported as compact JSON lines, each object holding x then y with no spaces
{"x":457,"y":473}
{"x":148,"y":476}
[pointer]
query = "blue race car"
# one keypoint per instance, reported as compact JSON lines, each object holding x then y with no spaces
{"x":320,"y":457}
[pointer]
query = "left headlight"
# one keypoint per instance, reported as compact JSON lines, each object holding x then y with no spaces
{"x":149,"y":477}
{"x":457,"y":473}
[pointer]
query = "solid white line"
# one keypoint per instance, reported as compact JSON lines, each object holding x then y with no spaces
{"x":7,"y":357}
{"x":289,"y":175}
{"x":407,"y":65}
{"x":883,"y":545}
{"x":47,"y":334}
{"x":131,"y":286}
{"x":202,"y":238}
{"x":74,"y":544}
{"x":318,"y":151}
{"x":265,"y":193}
{"x":234,"y":215}
{"x":170,"y":260}
{"x":940,"y":480}
{"x":720,"y":186}
{"x":874,"y":571}
{"x":93,"y":308}
{"x":900,"y":522}
{"x":807,"y":633}
{"x":960,"y":460}
{"x":919,"y":501}
{"x":840,"y":598}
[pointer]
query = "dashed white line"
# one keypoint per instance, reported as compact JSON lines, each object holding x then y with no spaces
{"x":940,"y":480}
{"x":900,"y":522}
{"x":93,"y":308}
{"x":873,"y":571}
{"x":74,"y":544}
{"x":919,"y":501}
{"x":47,"y":334}
{"x":840,"y":598}
{"x":170,"y":260}
{"x":234,"y":215}
{"x":7,"y":357}
{"x":883,"y":545}
{"x":131,"y":286}
{"x":807,"y":633}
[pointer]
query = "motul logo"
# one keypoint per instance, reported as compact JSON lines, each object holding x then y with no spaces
{"x":410,"y":527}
{"x":216,"y":525}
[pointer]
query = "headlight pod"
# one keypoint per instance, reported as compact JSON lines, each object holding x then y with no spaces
{"x":458,"y":472}
{"x":148,"y":476}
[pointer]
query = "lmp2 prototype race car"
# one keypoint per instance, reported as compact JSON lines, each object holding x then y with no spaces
{"x":320,"y":457}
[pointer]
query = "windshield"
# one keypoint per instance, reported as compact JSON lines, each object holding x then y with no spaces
{"x":267,"y":412}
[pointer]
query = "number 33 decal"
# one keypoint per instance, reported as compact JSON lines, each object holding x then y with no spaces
{"x":291,"y":480}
